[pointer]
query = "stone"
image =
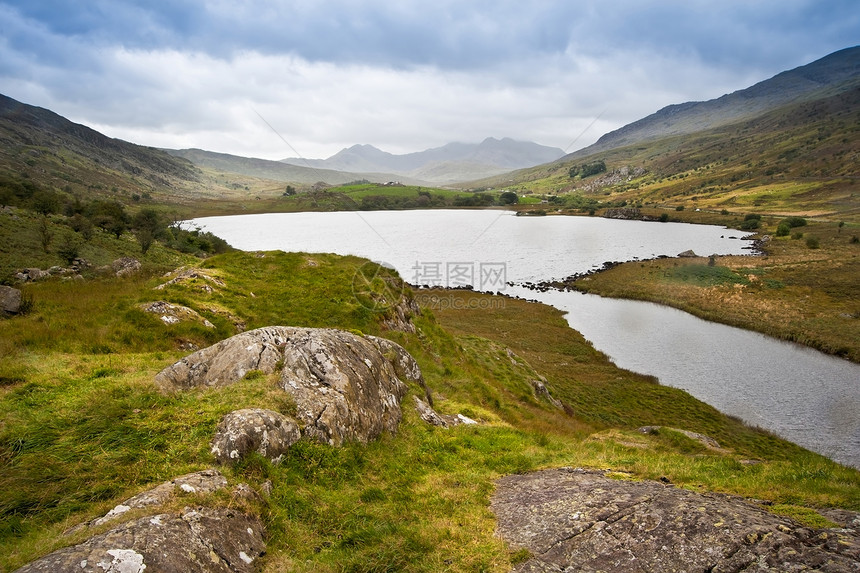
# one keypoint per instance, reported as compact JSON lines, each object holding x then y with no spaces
{"x":196,"y":276}
{"x":10,"y":300}
{"x":170,"y":313}
{"x":202,"y":482}
{"x":688,"y":254}
{"x":582,"y":520}
{"x":706,"y":441}
{"x":345,"y":389}
{"x":125,"y":266}
{"x":432,"y":417}
{"x":201,"y":540}
{"x":345,"y":386}
{"x":249,"y":430}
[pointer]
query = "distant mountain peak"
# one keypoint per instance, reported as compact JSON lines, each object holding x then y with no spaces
{"x":453,"y":162}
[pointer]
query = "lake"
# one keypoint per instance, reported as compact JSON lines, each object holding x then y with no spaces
{"x":800,"y":394}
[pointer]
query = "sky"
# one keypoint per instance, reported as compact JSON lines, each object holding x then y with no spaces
{"x":302,"y":78}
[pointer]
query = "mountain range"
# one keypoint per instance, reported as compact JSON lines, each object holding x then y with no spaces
{"x":449,"y":163}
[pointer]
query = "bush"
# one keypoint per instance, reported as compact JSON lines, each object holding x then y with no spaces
{"x":679,"y":208}
{"x":783,"y":229}
{"x":795,"y":222}
{"x":797,"y":235}
{"x":752,"y":216}
{"x":664,"y":217}
{"x":812,"y":242}
{"x":749,"y":224}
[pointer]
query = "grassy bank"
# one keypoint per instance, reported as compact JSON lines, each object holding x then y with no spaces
{"x":84,"y":426}
{"x":804,"y":288}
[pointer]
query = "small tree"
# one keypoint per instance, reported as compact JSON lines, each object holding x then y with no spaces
{"x":46,"y":232}
{"x":147,"y":226}
{"x":508,"y":198}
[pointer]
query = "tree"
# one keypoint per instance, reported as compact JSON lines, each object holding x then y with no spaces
{"x":46,"y":232}
{"x":508,"y":198}
{"x":147,"y":225}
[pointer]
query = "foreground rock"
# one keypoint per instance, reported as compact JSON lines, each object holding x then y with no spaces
{"x":202,"y":540}
{"x":578,"y":520}
{"x":10,"y":300}
{"x":254,"y":430}
{"x":202,"y":482}
{"x":346,"y":387}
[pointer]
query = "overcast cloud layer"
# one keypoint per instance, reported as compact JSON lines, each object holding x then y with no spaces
{"x":276,"y":79}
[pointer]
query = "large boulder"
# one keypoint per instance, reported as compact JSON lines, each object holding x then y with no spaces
{"x":346,"y":386}
{"x":202,"y":540}
{"x":254,"y":430}
{"x":580,"y":520}
{"x":10,"y":300}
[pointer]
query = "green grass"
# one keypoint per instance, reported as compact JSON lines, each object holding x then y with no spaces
{"x":84,"y":426}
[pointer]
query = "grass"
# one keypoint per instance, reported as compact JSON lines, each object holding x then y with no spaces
{"x":85,"y":427}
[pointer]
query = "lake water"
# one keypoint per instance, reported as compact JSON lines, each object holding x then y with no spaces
{"x":803,"y":395}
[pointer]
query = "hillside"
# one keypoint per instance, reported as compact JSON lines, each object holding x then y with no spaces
{"x":58,"y":153}
{"x":801,"y":158}
{"x":827,"y":76}
{"x":281,"y":171}
{"x":449,"y":163}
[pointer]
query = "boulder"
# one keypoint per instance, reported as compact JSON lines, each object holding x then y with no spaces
{"x":688,"y":254}
{"x":170,"y":313}
{"x":202,"y":540}
{"x":125,"y":266}
{"x":202,"y":482}
{"x":10,"y":300}
{"x":346,"y":386}
{"x":254,"y":430}
{"x":581,"y":520}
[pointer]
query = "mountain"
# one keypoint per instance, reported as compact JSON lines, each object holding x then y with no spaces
{"x":831,"y":74}
{"x":53,"y":151}
{"x":450,"y":163}
{"x":280,"y":171}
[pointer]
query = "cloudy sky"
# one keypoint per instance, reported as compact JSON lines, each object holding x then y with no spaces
{"x":275,"y":79}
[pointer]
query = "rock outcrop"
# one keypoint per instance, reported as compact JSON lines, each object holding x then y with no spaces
{"x":125,"y":266}
{"x":170,"y":313}
{"x":201,"y":540}
{"x":434,"y":418}
{"x":346,"y":386}
{"x":254,"y":430}
{"x":202,"y":482}
{"x":10,"y":300}
{"x":579,"y":520}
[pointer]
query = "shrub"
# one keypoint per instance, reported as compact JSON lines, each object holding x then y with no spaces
{"x":749,"y":224}
{"x":797,"y":235}
{"x":679,"y":208}
{"x":752,"y":216}
{"x":664,"y":217}
{"x":812,"y":242}
{"x":795,"y":222}
{"x":783,"y":229}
